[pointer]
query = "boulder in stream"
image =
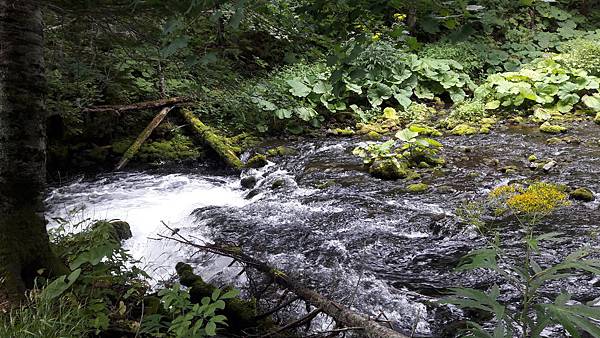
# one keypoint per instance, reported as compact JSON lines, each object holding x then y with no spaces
{"x":388,"y":169}
{"x":582,"y":194}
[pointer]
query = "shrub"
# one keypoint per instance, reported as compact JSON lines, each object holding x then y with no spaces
{"x":582,"y":54}
{"x":544,"y":82}
{"x":468,"y":54}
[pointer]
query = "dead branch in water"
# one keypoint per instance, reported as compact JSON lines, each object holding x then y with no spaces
{"x":341,"y":314}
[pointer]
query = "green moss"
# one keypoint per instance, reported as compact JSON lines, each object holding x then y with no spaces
{"x":373,"y":135}
{"x":424,"y":130}
{"x":464,"y":129}
{"x":178,"y":148}
{"x":121,"y":146}
{"x":281,"y":151}
{"x":484,"y":130}
{"x":582,"y":194}
{"x":417,"y":187}
{"x":367,"y":128}
{"x":532,"y":158}
{"x":388,"y":169}
{"x":597,"y":118}
{"x":546,"y":127}
{"x":343,"y":132}
{"x":257,"y":161}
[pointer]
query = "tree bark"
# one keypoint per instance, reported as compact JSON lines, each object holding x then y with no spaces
{"x":24,"y":245}
{"x":137,"y":106}
{"x":135,"y":146}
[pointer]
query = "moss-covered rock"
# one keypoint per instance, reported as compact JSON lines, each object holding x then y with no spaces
{"x":278,"y":183}
{"x":582,"y":194}
{"x":597,"y":118}
{"x":417,"y":187}
{"x":388,"y":169}
{"x":281,"y":151}
{"x":374,"y":136}
{"x":342,"y":132}
{"x":546,"y":127}
{"x":532,"y":158}
{"x":484,"y":130}
{"x":257,"y":161}
{"x":464,"y":129}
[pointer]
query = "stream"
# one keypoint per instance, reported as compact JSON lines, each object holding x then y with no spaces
{"x":364,"y":242}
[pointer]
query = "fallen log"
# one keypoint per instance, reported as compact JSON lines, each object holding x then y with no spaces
{"x":135,"y":146}
{"x":138,"y":106}
{"x":339,"y":312}
{"x":218,"y":143}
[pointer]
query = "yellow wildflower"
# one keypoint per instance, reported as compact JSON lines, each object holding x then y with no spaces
{"x":538,"y":198}
{"x":399,"y":17}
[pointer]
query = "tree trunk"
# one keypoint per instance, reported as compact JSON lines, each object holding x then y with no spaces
{"x":24,"y":246}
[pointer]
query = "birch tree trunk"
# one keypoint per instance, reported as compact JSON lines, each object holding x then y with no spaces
{"x":24,"y":245}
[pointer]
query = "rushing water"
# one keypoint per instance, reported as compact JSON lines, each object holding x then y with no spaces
{"x":364,"y":242}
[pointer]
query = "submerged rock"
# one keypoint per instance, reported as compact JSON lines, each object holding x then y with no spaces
{"x":417,"y":187}
{"x":582,"y":194}
{"x":388,"y":169}
{"x":546,"y":127}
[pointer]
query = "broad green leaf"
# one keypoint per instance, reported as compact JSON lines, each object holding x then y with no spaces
{"x":60,"y":285}
{"x":298,"y":88}
{"x":406,"y":135}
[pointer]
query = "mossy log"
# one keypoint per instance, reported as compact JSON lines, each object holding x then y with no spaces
{"x":137,"y":106}
{"x":218,"y":143}
{"x":133,"y":149}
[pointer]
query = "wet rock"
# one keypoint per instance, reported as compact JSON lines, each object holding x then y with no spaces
{"x":417,"y":187}
{"x":548,"y":166}
{"x":566,"y":139}
{"x":248,"y":182}
{"x":278,"y":183}
{"x":546,"y":127}
{"x":464,"y":129}
{"x":257,"y":161}
{"x":388,"y":169}
{"x":252,"y":193}
{"x":532,"y":158}
{"x":582,"y":194}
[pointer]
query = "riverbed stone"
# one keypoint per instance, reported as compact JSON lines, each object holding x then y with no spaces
{"x":281,"y":151}
{"x":549,"y":165}
{"x":582,"y":194}
{"x":532,"y":158}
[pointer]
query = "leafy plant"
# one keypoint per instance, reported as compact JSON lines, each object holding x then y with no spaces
{"x":186,"y":319}
{"x":528,"y":276}
{"x":544,"y":82}
{"x":406,"y":147}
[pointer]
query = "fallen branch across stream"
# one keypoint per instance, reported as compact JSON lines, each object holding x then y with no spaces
{"x":135,"y":146}
{"x":138,"y":106}
{"x":341,"y":314}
